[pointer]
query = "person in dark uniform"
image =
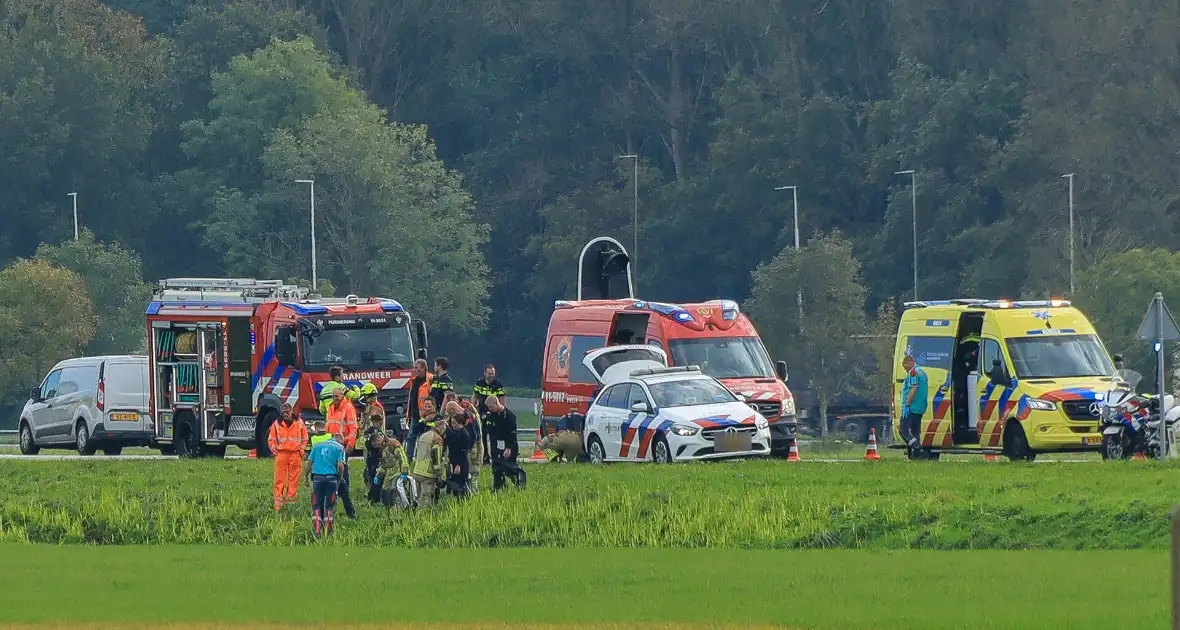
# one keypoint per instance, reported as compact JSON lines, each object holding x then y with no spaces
{"x":500,"y":425}
{"x":457,"y":443}
{"x":489,"y":385}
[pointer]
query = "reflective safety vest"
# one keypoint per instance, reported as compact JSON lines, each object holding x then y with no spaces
{"x":428,"y":456}
{"x":285,"y":438}
{"x":320,"y":437}
{"x":342,"y":420}
{"x":351,"y":393}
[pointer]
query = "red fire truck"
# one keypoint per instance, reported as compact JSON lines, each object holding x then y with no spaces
{"x":714,"y":335}
{"x":225,"y":354}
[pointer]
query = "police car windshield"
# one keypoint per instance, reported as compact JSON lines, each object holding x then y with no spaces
{"x":1059,"y":356}
{"x":697,"y":391}
{"x":726,"y":357}
{"x":359,"y":348}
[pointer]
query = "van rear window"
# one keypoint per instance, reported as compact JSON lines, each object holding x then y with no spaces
{"x":931,"y":352}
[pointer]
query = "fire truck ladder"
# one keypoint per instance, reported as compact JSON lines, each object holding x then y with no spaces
{"x":248,"y":290}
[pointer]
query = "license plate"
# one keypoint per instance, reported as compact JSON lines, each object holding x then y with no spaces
{"x":1092,"y":439}
{"x":124,"y":417}
{"x":731,"y":442}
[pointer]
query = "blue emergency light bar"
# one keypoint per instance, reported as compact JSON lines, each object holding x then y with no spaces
{"x":306,"y":309}
{"x":993,"y":304}
{"x":391,"y":306}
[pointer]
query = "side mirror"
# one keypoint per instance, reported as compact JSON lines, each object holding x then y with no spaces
{"x":421,"y":338}
{"x":1118,"y":361}
{"x":780,"y":368}
{"x":640,"y":407}
{"x":35,"y":395}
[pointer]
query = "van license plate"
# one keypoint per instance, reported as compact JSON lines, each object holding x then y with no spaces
{"x":731,"y":442}
{"x":124,"y":417}
{"x":1092,"y":439}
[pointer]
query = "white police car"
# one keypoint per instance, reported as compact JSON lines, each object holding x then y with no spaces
{"x":648,"y":411}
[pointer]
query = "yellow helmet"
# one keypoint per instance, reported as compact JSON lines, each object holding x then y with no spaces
{"x":369,"y":389}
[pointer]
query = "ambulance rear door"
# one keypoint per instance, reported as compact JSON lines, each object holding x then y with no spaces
{"x":930,"y":339}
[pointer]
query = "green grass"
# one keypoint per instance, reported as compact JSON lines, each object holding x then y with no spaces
{"x":820,"y":590}
{"x":739,"y":505}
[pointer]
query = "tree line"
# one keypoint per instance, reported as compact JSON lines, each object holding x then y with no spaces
{"x":464,"y":151}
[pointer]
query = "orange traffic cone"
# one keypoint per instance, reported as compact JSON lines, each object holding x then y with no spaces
{"x":253,"y":454}
{"x":990,"y":457}
{"x":538,"y":456}
{"x":793,"y":454}
{"x":871,"y":454}
{"x":1139,"y":456}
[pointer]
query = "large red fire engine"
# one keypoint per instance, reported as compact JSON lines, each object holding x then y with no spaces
{"x":225,"y":354}
{"x":714,"y":335}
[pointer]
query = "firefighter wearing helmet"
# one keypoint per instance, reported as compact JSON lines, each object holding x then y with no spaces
{"x":372,"y":431}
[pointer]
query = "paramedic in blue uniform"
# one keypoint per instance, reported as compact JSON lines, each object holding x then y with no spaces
{"x":324,"y":469}
{"x":914,"y":394}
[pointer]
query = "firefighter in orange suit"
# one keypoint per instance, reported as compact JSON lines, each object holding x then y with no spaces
{"x":287,"y":439}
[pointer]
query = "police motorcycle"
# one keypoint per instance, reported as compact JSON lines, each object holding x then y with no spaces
{"x":1130,"y":422}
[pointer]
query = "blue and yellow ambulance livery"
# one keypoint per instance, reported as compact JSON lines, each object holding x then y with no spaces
{"x":1011,"y":377}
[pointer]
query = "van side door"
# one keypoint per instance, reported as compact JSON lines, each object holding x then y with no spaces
{"x":933,"y":352}
{"x":75,"y":400}
{"x":42,"y":419}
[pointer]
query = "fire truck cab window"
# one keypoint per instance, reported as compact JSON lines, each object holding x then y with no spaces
{"x":286,"y":340}
{"x":359,"y":348}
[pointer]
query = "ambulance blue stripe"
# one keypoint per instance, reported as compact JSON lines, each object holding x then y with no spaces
{"x":940,"y":394}
{"x":987,"y":394}
{"x":1004,"y":401}
{"x":262,"y":363}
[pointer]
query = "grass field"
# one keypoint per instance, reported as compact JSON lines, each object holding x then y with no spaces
{"x":739,"y":505}
{"x":697,"y":588}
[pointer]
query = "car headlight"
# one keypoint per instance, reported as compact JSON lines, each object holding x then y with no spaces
{"x":789,"y":407}
{"x":1041,"y":405}
{"x":684,"y":430}
{"x":761,"y":422}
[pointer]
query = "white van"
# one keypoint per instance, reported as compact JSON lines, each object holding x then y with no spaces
{"x":89,"y":403}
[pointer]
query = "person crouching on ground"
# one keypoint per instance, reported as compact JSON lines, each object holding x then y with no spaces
{"x":458,"y":445}
{"x":393,"y":475}
{"x":565,"y":444}
{"x":429,"y":468}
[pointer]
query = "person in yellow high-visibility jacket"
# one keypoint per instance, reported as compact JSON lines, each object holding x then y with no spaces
{"x":337,"y":374}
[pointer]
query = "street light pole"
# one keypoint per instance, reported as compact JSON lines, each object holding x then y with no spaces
{"x":75,"y":196}
{"x":795,"y":210}
{"x":914,"y":202}
{"x":634,"y":215}
{"x":1069,"y":176}
{"x":314,"y":279}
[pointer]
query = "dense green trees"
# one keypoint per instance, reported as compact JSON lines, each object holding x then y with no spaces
{"x":182,"y":134}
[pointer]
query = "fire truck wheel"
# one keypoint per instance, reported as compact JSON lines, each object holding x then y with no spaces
{"x":186,"y":441}
{"x":262,"y":432}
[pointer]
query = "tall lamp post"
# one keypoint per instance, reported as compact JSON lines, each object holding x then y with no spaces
{"x":795,"y":210}
{"x":634,"y":215}
{"x":1069,"y":176}
{"x":314,"y":279}
{"x":75,"y":196}
{"x":914,"y":202}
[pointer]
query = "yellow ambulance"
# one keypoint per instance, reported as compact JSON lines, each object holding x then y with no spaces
{"x":1004,"y":377}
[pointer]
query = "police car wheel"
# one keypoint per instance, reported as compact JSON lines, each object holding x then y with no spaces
{"x":597,"y":452}
{"x":660,"y":452}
